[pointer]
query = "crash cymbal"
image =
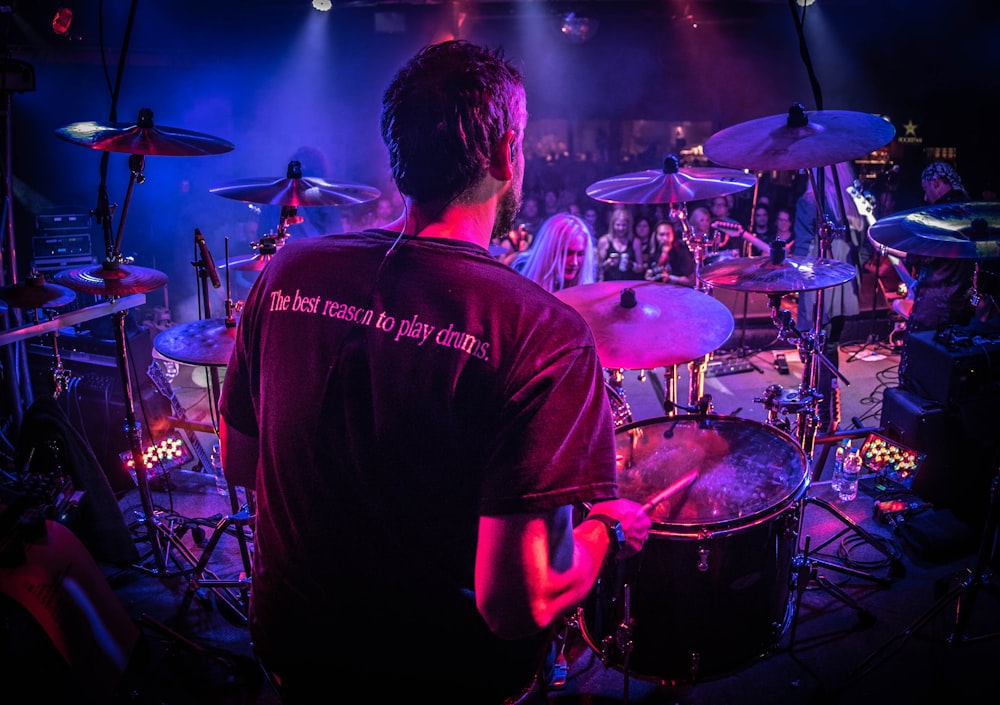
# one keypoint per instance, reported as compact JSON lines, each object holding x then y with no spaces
{"x":35,"y":292}
{"x":143,"y":138}
{"x":969,"y":230}
{"x":296,"y":190}
{"x":203,"y":342}
{"x":112,"y":279}
{"x":760,"y":273}
{"x":642,"y":325}
{"x":672,"y":184}
{"x":799,"y":140}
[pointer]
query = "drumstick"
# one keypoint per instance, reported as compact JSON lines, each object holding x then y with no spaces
{"x":673,"y":489}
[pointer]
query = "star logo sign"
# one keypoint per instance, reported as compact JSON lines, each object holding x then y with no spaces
{"x":911,"y":129}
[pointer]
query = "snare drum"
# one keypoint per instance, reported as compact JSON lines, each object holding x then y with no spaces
{"x":710,"y":592}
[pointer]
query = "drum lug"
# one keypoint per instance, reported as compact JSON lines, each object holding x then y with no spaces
{"x":703,"y":558}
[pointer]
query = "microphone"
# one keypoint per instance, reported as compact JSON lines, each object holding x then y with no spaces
{"x":206,"y":257}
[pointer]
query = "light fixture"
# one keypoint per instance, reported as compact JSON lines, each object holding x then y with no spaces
{"x":578,"y":29}
{"x":804,"y":3}
{"x":322,"y":5}
{"x":62,"y":20}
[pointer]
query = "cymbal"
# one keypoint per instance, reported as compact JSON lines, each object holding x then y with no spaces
{"x":254,"y":263}
{"x":35,"y":292}
{"x":112,"y":279}
{"x":296,"y":190}
{"x":667,"y":325}
{"x":799,"y":140}
{"x":759,"y":273}
{"x":143,"y":138}
{"x":203,"y":342}
{"x":969,"y":230}
{"x":672,"y":184}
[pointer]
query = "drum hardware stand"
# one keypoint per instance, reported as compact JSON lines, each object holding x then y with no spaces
{"x":807,"y":398}
{"x":964,"y":594}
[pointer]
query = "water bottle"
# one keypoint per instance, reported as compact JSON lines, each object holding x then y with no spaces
{"x":220,"y":479}
{"x":838,"y":463}
{"x":849,"y":481}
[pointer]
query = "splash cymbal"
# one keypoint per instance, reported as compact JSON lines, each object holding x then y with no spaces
{"x":672,"y":184}
{"x":642,"y":325}
{"x":35,"y":292}
{"x":203,"y":342}
{"x":968,"y":230}
{"x":799,"y":140}
{"x":112,"y":279}
{"x":143,"y":138}
{"x":761,"y":274}
{"x":296,"y":190}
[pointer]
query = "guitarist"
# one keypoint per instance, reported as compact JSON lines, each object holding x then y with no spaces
{"x":942,"y":283}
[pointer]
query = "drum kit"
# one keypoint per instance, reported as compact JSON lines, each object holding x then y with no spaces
{"x":751,"y":478}
{"x":204,"y":342}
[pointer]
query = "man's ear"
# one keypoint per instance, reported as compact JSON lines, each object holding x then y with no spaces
{"x":504,"y":158}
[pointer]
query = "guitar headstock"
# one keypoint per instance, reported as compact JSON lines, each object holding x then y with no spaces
{"x":863,"y":200}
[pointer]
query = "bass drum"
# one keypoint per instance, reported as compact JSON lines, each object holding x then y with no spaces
{"x":710,"y":592}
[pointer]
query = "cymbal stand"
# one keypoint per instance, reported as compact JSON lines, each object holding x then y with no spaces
{"x":805,"y":400}
{"x":700,"y":244}
{"x":242,"y":515}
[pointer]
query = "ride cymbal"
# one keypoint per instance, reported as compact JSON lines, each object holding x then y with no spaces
{"x":799,"y":140}
{"x":35,"y":292}
{"x":296,"y":190}
{"x":143,"y":138}
{"x":642,"y":325}
{"x":672,"y":184}
{"x":966,"y":230}
{"x":203,"y":342}
{"x":112,"y":279}
{"x":762,"y":274}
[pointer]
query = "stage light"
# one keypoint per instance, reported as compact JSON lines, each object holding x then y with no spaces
{"x":61,"y":21}
{"x":578,"y":29}
{"x":804,"y":3}
{"x":322,"y":5}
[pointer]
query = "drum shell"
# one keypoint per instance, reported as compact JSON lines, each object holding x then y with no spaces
{"x":703,"y":598}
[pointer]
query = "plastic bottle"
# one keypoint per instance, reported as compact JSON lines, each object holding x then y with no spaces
{"x":220,"y":479}
{"x":849,"y":481}
{"x":838,"y":463}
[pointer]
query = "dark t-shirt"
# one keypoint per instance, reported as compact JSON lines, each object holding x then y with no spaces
{"x":398,"y":398}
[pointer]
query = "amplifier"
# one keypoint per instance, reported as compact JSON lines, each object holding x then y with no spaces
{"x":61,"y":246}
{"x":952,"y":365}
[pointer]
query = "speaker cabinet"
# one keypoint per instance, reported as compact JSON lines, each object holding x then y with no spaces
{"x":961,"y":455}
{"x":94,"y":398}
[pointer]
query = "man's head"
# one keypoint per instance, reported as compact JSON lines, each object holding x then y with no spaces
{"x":937,"y":179}
{"x":444,"y":116}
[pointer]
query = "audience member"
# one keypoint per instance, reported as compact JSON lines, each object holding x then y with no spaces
{"x":668,"y":259}
{"x":619,"y":253}
{"x":562,"y":254}
{"x":454,"y":492}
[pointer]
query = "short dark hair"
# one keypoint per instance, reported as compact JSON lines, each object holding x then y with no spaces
{"x":443,"y":114}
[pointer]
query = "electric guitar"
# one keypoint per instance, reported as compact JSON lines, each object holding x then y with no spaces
{"x":865,"y":203}
{"x":734,"y":229}
{"x":163,"y":387}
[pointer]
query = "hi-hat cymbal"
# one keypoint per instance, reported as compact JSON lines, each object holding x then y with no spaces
{"x":642,"y":325}
{"x":35,"y":292}
{"x":672,"y":184}
{"x":799,"y":140}
{"x":296,"y":190}
{"x":969,"y":230}
{"x":112,"y":279}
{"x":203,"y":342}
{"x":761,"y":274}
{"x":143,"y":138}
